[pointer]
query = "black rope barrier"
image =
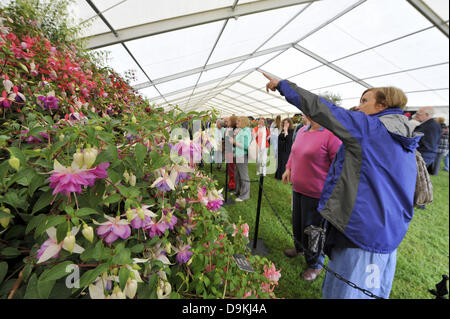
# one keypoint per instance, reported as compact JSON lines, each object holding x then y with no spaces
{"x":338,"y":276}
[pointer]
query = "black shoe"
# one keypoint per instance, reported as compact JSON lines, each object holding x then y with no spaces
{"x":420,"y":206}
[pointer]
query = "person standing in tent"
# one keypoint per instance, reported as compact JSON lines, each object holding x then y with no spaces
{"x":262,"y":135}
{"x":229,"y":150}
{"x":285,"y":140}
{"x":275,"y":129}
{"x":368,"y":196}
{"x":241,"y":143}
{"x":312,"y":153}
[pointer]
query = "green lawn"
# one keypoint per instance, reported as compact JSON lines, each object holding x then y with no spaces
{"x":422,"y":257}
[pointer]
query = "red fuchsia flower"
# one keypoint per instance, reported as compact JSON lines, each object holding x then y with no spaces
{"x":114,"y":228}
{"x":272,"y":274}
{"x":244,"y":228}
{"x":16,"y":95}
{"x":4,"y":101}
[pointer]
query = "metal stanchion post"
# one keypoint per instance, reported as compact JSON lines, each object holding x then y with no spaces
{"x":227,"y":201}
{"x":257,"y":245}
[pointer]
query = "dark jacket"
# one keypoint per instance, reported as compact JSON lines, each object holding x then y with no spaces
{"x":428,"y":145}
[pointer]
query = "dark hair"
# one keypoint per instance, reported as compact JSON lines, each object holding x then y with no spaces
{"x":291,"y":123}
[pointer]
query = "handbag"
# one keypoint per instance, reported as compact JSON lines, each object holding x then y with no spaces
{"x":423,"y":193}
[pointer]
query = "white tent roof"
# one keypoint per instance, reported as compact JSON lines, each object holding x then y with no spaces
{"x":202,"y":53}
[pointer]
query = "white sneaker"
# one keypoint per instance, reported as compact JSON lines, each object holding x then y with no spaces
{"x":239,"y":199}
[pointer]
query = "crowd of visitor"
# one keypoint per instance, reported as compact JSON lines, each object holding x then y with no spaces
{"x":340,"y":164}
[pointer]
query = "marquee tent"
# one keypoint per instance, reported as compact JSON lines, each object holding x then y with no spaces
{"x":199,"y":54}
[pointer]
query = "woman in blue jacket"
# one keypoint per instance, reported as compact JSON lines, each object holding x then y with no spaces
{"x":368,"y":195}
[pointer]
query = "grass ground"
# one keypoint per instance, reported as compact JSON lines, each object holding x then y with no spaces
{"x":422,"y":257}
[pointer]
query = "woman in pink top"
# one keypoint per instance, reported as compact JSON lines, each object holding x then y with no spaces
{"x":307,"y":168}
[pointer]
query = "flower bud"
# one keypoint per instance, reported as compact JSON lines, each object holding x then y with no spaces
{"x":131,"y":288}
{"x":98,"y":128}
{"x":69,"y":242}
{"x":140,"y":213}
{"x":133,"y":119}
{"x":129,"y":214}
{"x":168,"y":248}
{"x":61,"y":137}
{"x":4,"y":221}
{"x":78,"y":158}
{"x":90,"y":156}
{"x":133,"y":180}
{"x":88,"y":233}
{"x":14,"y":162}
{"x":126,"y":176}
{"x":167,"y":288}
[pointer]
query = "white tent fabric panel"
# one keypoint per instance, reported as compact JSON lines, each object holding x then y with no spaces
{"x":121,"y":62}
{"x":436,"y":98}
{"x":218,"y":72}
{"x":345,"y":91}
{"x":136,"y":12}
{"x":82,"y":12}
{"x":290,"y":63}
{"x":423,"y":79}
{"x":256,"y":62}
{"x":370,"y":24}
{"x":246,"y":34}
{"x":319,"y":78}
{"x":172,"y":86}
{"x":150,"y":93}
{"x":312,"y":17}
{"x":173,"y":52}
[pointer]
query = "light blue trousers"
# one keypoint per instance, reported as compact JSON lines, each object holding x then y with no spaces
{"x":370,"y":271}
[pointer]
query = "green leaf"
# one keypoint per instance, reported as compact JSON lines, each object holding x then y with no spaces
{"x":56,"y":272}
{"x":3,"y":270}
{"x":114,"y":198}
{"x":4,"y":167}
{"x":61,"y":232}
{"x":43,"y":201}
{"x":32,"y":289}
{"x":140,"y":151}
{"x":124,"y":273}
{"x":4,"y":214}
{"x":27,"y":272}
{"x":109,"y":155}
{"x":18,"y":153}
{"x":12,"y":198}
{"x":10,"y":252}
{"x":45,"y":288}
{"x":35,"y":222}
{"x":89,"y":276}
{"x":51,"y":222}
{"x":86,"y":212}
{"x":137,"y":248}
{"x":36,"y":182}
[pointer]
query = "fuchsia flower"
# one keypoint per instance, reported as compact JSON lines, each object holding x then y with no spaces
{"x":48,"y":102}
{"x":34,"y":139}
{"x":114,"y":228}
{"x":4,"y":101}
{"x":66,"y":180}
{"x":244,"y":228}
{"x":156,"y":229}
{"x":51,"y":248}
{"x":164,"y":182}
{"x":272,"y":274}
{"x":183,"y":253}
{"x":137,"y":221}
{"x":191,"y":151}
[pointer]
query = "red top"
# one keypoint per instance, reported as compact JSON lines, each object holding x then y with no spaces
{"x":255,"y":133}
